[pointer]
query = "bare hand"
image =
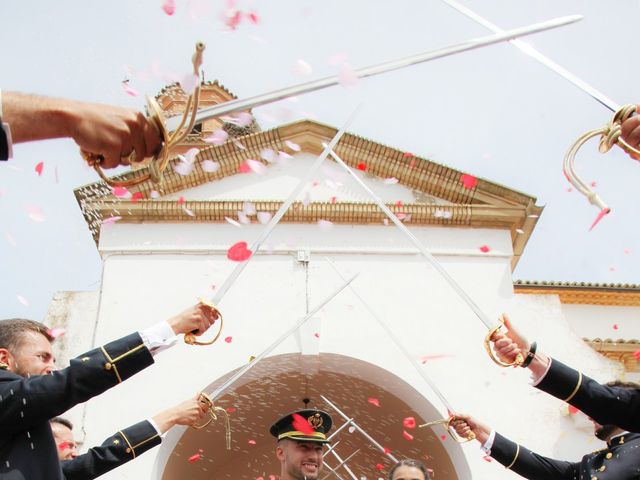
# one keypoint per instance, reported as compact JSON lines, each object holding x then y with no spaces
{"x":196,"y":319}
{"x":631,"y":133}
{"x":113,"y":132}
{"x":509,"y":345}
{"x":190,"y":412}
{"x":465,"y":424}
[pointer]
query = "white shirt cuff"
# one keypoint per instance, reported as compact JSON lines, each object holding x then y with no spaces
{"x":486,"y":447}
{"x":536,"y":381}
{"x":154,"y":425}
{"x":158,"y":337}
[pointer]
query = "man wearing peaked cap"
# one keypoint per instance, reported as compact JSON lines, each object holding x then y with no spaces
{"x":301,"y":436}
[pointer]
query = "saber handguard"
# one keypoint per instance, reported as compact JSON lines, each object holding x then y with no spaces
{"x":191,"y":339}
{"x":206,"y":399}
{"x":518,"y":361}
{"x":447,"y":423}
{"x":610,"y":135}
{"x":158,"y":164}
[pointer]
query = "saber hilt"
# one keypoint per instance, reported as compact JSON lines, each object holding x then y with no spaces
{"x":447,"y":423}
{"x":517,"y":361}
{"x":212,"y":409}
{"x":610,"y":135}
{"x":190,"y":338}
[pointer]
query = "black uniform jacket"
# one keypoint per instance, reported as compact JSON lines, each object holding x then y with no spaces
{"x":116,"y":450}
{"x":619,"y":461}
{"x":606,"y":405}
{"x":27,"y":448}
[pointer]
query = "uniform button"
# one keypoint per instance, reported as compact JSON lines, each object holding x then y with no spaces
{"x":594,"y":478}
{"x":107,"y":366}
{"x":608,"y":455}
{"x":602,"y":468}
{"x":85,"y":359}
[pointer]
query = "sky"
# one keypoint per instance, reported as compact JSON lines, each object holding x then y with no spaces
{"x":494,"y":113}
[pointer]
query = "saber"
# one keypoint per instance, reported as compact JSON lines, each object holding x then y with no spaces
{"x":218,"y":391}
{"x":342,"y":462}
{"x":412,"y":360}
{"x":493,"y":327}
{"x":190,"y":338}
{"x":165,"y":126}
{"x":609,"y":134}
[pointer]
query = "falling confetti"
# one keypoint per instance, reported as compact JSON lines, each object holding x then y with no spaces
{"x":484,"y":249}
{"x":252,"y":442}
{"x":22,"y":300}
{"x":407,"y":435}
{"x":443,"y":437}
{"x":239,"y":252}
{"x":347,"y":76}
{"x":137,"y":196}
{"x":362,"y":166}
{"x":217,"y":138}
{"x":181,"y":201}
{"x":189,"y":83}
{"x":407,"y":155}
{"x":293,"y":146}
{"x":600,"y":216}
{"x":379,"y":467}
{"x":228,"y":339}
{"x":254,"y":166}
{"x":39,"y":167}
{"x":10,"y":239}
{"x":210,"y":166}
{"x":169,"y":7}
{"x":615,"y":326}
{"x":120,"y":192}
{"x":56,"y":332}
{"x":301,"y":425}
{"x":253,"y":17}
{"x":129,"y":90}
{"x":264,"y":217}
{"x":409,"y":422}
{"x":637,"y":354}
{"x":35,"y":213}
{"x":302,"y":68}
{"x":374,"y":401}
{"x":437,"y":356}
{"x":242,"y":119}
{"x":572,"y":410}
{"x":390,"y":181}
{"x":268,"y":155}
{"x":317,"y":335}
{"x":387,"y":451}
{"x":233,"y":222}
{"x":194,"y":458}
{"x":468,"y":181}
{"x":325,"y":225}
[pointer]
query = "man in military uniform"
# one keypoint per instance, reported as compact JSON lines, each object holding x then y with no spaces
{"x":114,"y":450}
{"x":610,"y":404}
{"x":32,"y":391}
{"x":619,"y":461}
{"x":301,"y":437}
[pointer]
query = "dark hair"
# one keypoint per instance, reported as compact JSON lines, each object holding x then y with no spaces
{"x":625,"y":385}
{"x":410,"y":462}
{"x":12,"y":331}
{"x":62,"y":421}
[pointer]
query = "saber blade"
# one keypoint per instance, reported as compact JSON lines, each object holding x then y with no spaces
{"x":259,"y":100}
{"x":540,"y":57}
{"x":218,"y":391}
{"x":425,"y":253}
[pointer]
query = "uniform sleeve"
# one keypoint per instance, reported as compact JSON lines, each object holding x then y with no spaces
{"x":116,"y":450}
{"x":25,"y":402}
{"x":529,"y":464}
{"x":606,"y":405}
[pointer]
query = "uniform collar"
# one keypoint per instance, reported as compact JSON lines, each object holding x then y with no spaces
{"x":620,"y":438}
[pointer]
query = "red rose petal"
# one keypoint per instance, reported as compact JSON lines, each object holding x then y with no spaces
{"x":39,"y":168}
{"x":301,"y":425}
{"x":194,"y":458}
{"x":169,"y":7}
{"x":409,"y":422}
{"x":573,"y":410}
{"x":253,"y":17}
{"x":251,"y":442}
{"x":407,"y":435}
{"x":373,"y":401}
{"x":239,"y":252}
{"x":600,"y":216}
{"x":487,"y":458}
{"x":469,"y":181}
{"x":137,"y":196}
{"x":386,"y":451}
{"x":231,"y":409}
{"x":407,"y":155}
{"x":379,"y":467}
{"x":56,"y":332}
{"x":615,"y":326}
{"x":228,"y":339}
{"x":637,"y":354}
{"x":181,"y":201}
{"x":362,"y":166}
{"x":443,"y":437}
{"x":484,"y":248}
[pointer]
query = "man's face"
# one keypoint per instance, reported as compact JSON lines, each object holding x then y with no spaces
{"x":603,"y":432}
{"x":33,"y":356}
{"x":64,"y":441}
{"x":300,"y":460}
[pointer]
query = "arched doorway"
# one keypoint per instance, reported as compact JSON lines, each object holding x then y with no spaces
{"x":277,"y":386}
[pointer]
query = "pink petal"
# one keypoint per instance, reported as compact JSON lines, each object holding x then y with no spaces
{"x":573,"y":410}
{"x":615,"y":326}
{"x":484,"y":249}
{"x":239,"y":145}
{"x":120,"y":192}
{"x":600,"y":216}
{"x":379,"y":467}
{"x":190,"y":156}
{"x":390,"y":181}
{"x":256,"y":166}
{"x":154,"y":194}
{"x":242,"y":119}
{"x":110,"y":220}
{"x":22,"y":300}
{"x":169,"y":7}
{"x":189,"y":83}
{"x":35,"y":213}
{"x":264,"y":217}
{"x":302,"y":425}
{"x":409,"y":422}
{"x":302,"y":68}
{"x":181,"y":201}
{"x":248,"y":208}
{"x":306,"y":200}
{"x":239,"y":252}
{"x":373,"y":401}
{"x":10,"y":239}
{"x":637,"y":354}
{"x":268,"y":155}
{"x":252,"y":442}
{"x":253,"y":17}
{"x":188,"y":212}
{"x":347,"y":76}
{"x":325,"y":225}
{"x":183,"y":168}
{"x":129,"y":90}
{"x":228,"y":339}
{"x":39,"y":168}
{"x":243,"y":219}
{"x":217,"y":138}
{"x":407,"y":155}
{"x":210,"y":166}
{"x":437,"y":356}
{"x":443,"y":437}
{"x":468,"y":181}
{"x":337,"y":59}
{"x":194,"y":458}
{"x":407,"y":435}
{"x":293,"y":146}
{"x":56,"y":332}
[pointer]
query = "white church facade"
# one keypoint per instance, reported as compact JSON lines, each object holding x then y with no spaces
{"x":169,"y":247}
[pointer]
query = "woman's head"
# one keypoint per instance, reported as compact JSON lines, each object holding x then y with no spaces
{"x":409,"y":469}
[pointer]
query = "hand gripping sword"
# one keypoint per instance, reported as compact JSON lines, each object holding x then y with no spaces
{"x":609,"y":134}
{"x":173,"y":131}
{"x":492,"y":326}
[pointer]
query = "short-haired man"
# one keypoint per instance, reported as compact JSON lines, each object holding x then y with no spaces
{"x":301,"y":437}
{"x":619,"y":461}
{"x":113,"y":451}
{"x":32,"y":391}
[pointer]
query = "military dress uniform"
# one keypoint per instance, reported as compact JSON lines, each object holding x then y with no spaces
{"x":27,"y":447}
{"x":619,"y":461}
{"x":116,"y":450}
{"x":606,"y":405}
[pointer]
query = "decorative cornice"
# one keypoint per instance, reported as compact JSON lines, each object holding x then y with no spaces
{"x":623,"y":351}
{"x":581,"y":293}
